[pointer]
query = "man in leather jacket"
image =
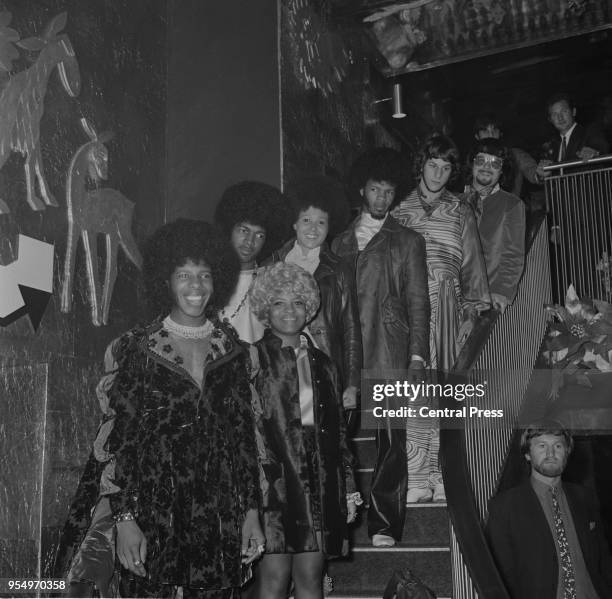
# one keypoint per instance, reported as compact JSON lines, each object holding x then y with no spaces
{"x":393,"y":300}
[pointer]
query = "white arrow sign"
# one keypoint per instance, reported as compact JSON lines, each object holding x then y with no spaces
{"x":33,"y":268}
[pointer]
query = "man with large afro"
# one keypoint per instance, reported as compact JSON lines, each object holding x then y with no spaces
{"x":256,"y":218}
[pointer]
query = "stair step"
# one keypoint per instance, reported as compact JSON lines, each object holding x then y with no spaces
{"x":366,"y":573}
{"x":425,"y":524}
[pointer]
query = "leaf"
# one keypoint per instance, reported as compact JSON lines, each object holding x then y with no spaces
{"x":33,"y":44}
{"x":605,"y":309}
{"x":55,"y":25}
{"x":5,"y":18}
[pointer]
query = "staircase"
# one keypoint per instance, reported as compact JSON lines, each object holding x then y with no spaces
{"x":425,"y":545}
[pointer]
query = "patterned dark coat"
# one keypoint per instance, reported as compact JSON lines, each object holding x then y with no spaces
{"x":288,"y":523}
{"x":185,"y":460}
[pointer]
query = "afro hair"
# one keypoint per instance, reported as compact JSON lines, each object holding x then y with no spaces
{"x":173,"y":245}
{"x":324,"y":193}
{"x":257,"y":204}
{"x":379,"y":164}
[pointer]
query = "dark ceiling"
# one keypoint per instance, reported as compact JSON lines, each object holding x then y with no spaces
{"x":514,"y":85}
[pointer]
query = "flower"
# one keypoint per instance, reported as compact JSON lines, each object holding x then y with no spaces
{"x":581,"y":336}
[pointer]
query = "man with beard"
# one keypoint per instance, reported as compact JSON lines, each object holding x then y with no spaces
{"x":255,"y":217}
{"x":393,"y":301}
{"x":545,"y":534}
{"x":500,"y":216}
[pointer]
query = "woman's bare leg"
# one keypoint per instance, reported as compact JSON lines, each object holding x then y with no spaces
{"x":273,"y":575}
{"x":307,"y":573}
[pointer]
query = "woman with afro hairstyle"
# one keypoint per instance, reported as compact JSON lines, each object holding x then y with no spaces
{"x":255,"y":218}
{"x":320,"y":209}
{"x":306,"y":467}
{"x":173,"y":474}
{"x":458,"y":290}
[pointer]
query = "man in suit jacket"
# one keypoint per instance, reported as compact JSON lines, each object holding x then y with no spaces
{"x":573,"y":142}
{"x":393,"y":302}
{"x":545,"y":534}
{"x":500,"y":216}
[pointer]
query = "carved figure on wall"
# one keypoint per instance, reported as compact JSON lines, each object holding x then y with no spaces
{"x":91,"y":212}
{"x":22,"y":105}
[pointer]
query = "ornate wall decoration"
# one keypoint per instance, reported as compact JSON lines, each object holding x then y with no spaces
{"x":426,"y":33}
{"x":91,"y":212}
{"x":318,"y":54}
{"x":26,"y":284}
{"x":22,"y":99}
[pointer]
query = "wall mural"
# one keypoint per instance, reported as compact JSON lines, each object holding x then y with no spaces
{"x":426,"y":33}
{"x":22,"y":99}
{"x":26,"y":283}
{"x":90,"y":212}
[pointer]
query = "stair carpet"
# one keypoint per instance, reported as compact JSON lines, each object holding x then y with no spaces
{"x":424,"y":547}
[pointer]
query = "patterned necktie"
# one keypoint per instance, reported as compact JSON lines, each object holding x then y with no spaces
{"x":564,"y":551}
{"x":563,"y":149}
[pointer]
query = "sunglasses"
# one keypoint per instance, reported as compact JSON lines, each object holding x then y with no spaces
{"x":496,"y":163}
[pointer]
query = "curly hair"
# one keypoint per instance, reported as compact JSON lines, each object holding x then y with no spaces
{"x":441,"y":147}
{"x":379,"y":164}
{"x":495,"y":147}
{"x":257,"y":204}
{"x":545,"y":427}
{"x":283,"y":277}
{"x":324,"y":193}
{"x":175,"y":243}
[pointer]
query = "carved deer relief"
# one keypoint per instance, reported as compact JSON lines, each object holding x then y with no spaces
{"x":22,"y":105}
{"x":91,"y":212}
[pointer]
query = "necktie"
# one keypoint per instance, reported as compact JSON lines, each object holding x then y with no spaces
{"x":305,"y":386}
{"x":563,"y":149}
{"x":565,"y":556}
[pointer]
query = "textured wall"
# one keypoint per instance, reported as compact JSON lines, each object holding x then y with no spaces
{"x":120,"y":46}
{"x":223,"y":101}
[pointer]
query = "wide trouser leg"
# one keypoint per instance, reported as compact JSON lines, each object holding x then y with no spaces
{"x":388,"y":493}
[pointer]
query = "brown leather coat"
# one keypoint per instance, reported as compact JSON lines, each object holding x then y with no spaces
{"x":392,"y":293}
{"x":335,"y":328}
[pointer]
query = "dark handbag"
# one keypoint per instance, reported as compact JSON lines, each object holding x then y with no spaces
{"x":405,"y":585}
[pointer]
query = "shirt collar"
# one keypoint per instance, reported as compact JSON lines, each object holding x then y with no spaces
{"x":541,"y":488}
{"x":568,"y":133}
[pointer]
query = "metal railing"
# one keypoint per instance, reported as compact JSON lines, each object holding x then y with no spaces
{"x":505,"y":347}
{"x":579,"y":205}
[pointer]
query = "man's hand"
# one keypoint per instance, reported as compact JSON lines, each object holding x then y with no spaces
{"x":500,"y":302}
{"x":253,"y":538}
{"x":349,"y":398}
{"x":540,"y":172}
{"x":416,"y":370}
{"x":587,"y":153}
{"x":131,"y":547}
{"x":469,"y":318}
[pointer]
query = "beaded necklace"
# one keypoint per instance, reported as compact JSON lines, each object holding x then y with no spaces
{"x":242,"y":301}
{"x":187,"y":332}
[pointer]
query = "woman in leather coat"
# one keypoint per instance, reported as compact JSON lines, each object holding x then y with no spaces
{"x":319,"y":207}
{"x":307,"y":480}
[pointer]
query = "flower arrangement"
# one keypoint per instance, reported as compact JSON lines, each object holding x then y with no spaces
{"x":579,"y":340}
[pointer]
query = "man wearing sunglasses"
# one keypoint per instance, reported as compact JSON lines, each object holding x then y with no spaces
{"x":500,"y":216}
